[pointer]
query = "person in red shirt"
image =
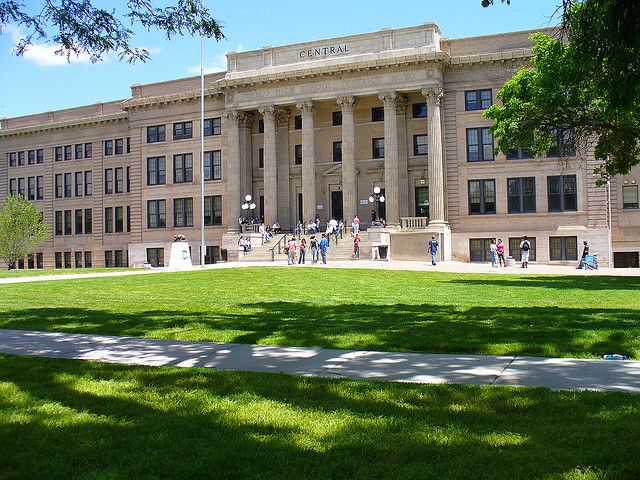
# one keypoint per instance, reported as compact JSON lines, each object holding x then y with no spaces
{"x":356,"y":246}
{"x":500,"y":248}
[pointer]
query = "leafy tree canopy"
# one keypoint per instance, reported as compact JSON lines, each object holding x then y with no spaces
{"x":79,"y":27}
{"x":587,"y":81}
{"x":21,"y":229}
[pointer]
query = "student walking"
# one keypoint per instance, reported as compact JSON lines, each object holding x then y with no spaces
{"x":585,"y":252}
{"x":493,"y":250}
{"x":313,"y":243}
{"x":525,"y":246}
{"x":303,"y":251}
{"x":500,"y":249}
{"x":291,"y":252}
{"x":433,"y":249}
{"x":356,"y":246}
{"x":324,"y":246}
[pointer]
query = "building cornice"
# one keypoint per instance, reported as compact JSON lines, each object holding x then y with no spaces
{"x":119,"y":117}
{"x":133,"y":104}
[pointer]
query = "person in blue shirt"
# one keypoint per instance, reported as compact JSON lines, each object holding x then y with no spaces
{"x":324,"y":245}
{"x":433,"y":249}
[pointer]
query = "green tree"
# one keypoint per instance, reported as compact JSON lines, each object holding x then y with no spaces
{"x":21,"y":229}
{"x":586,"y":81}
{"x":79,"y":27}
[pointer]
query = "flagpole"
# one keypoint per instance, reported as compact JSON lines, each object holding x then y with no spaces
{"x":203,"y":247}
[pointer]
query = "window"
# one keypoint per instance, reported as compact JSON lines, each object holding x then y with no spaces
{"x":420,"y":145}
{"x":67,"y":185}
{"x":213,"y":165}
{"x":562,"y":193}
{"x":479,"y":249}
{"x":563,"y":248}
{"x":13,"y":159}
{"x":213,"y":210}
{"x":57,"y":154}
{"x":156,"y":171}
{"x":108,"y":220}
{"x":39,"y":156}
{"x":378,"y":147}
{"x":128,"y":144}
{"x":183,"y":212}
{"x":88,"y":185}
{"x":58,"y":185}
{"x":514,"y":248}
{"x":297,"y":155}
{"x":88,"y":150}
{"x":78,"y":260}
{"x":108,"y":181}
{"x":337,"y":151}
{"x":477,"y":99}
{"x":58,"y":256}
{"x":518,"y":154}
{"x":377,"y":114}
{"x":212,"y":126}
{"x":31,"y":188}
{"x":78,"y":221}
{"x":39,"y":262}
{"x":78,"y":151}
{"x":476,"y":151}
{"x":87,"y":260}
{"x":183,"y":168}
{"x":422,"y":201}
{"x":156,"y":133}
{"x":13,"y":186}
{"x":119,"y":146}
{"x":21,"y":186}
{"x":40,"y":187}
{"x":521,"y":193}
{"x":297,"y":122}
{"x":155,"y":257}
{"x":108,"y":258}
{"x":157,"y":214}
{"x":88,"y":221}
{"x":212,"y":254}
{"x":30,"y":261}
{"x":260,"y":126}
{"x":563,"y":143}
{"x":20,"y":158}
{"x":482,"y":197}
{"x":119,"y":258}
{"x":336,"y":118}
{"x":67,"y":259}
{"x":79,"y":183}
{"x":419,"y":110}
{"x":108,"y":147}
{"x":58,"y":222}
{"x":630,"y":197}
{"x":128,"y":179}
{"x":31,"y":157}
{"x":119,"y":219}
{"x":261,"y":157}
{"x":119,"y":180}
{"x":182,"y":130}
{"x":67,"y":222}
{"x":128,"y":218}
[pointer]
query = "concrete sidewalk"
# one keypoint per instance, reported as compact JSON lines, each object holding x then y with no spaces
{"x":555,"y":373}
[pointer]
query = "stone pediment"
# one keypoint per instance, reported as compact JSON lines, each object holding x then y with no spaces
{"x":335,"y":171}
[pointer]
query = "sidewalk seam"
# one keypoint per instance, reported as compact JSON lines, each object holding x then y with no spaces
{"x":503,"y":370}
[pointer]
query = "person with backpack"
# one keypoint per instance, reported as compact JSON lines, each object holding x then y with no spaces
{"x":525,"y":246}
{"x":433,"y":249}
{"x":324,"y":245}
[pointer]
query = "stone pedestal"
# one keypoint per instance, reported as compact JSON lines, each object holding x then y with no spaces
{"x":180,"y":258}
{"x":230,"y":244}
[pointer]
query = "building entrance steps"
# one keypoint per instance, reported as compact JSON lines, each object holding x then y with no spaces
{"x":554,"y":373}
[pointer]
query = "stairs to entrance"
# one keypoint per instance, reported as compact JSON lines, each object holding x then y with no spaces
{"x":342,"y":250}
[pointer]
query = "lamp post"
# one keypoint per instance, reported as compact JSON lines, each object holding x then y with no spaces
{"x":248,"y":206}
{"x":376,"y":198}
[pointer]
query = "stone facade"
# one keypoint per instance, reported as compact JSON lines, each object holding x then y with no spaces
{"x":308,"y":129}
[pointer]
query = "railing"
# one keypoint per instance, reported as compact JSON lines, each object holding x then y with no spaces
{"x":283,"y":238}
{"x":250,"y":228}
{"x":414,"y":222}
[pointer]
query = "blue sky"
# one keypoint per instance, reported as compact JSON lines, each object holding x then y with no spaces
{"x":39,"y":81}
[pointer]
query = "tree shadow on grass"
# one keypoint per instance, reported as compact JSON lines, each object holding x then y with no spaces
{"x":543,"y":331}
{"x":564,"y":282}
{"x":89,"y":420}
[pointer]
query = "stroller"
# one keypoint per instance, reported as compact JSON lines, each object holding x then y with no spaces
{"x":591,"y":262}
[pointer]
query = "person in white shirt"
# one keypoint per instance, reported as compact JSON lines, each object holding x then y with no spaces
{"x":525,"y":246}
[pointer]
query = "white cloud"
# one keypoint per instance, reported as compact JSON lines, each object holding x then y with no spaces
{"x":219,"y":64}
{"x":42,"y":54}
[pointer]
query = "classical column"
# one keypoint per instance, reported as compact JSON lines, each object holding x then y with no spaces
{"x":349,"y":180}
{"x":403,"y":160}
{"x":308,"y":161}
{"x":391,"y":180}
{"x":233,"y":171}
{"x":282,"y":154}
{"x":433,"y":96}
{"x":270,"y":166}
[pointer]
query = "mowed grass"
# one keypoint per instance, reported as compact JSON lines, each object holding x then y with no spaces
{"x":57,"y":271}
{"x":64,"y":419}
{"x":566,"y":316}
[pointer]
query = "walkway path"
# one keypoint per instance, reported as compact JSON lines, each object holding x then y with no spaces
{"x":555,"y":373}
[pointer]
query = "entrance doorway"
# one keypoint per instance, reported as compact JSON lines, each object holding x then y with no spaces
{"x":300,"y":208}
{"x":336,"y":205}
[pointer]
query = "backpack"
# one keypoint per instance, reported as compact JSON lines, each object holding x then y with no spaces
{"x":525,"y":246}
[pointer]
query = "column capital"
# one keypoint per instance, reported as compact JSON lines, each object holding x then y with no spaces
{"x":307,"y":107}
{"x":433,"y":95}
{"x":346,"y":102}
{"x":388,"y":99}
{"x":240,"y":118}
{"x":268,"y":112}
{"x":401,"y":104}
{"x":282,"y":116}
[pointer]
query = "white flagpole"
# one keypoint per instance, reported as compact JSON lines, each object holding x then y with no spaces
{"x":203,"y":247}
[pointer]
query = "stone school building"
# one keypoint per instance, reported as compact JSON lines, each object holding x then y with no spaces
{"x":312,"y":129}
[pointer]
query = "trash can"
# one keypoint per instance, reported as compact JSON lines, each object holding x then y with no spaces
{"x":382,"y":251}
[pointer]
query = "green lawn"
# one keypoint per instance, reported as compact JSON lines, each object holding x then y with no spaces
{"x":57,"y":271}
{"x":63,"y":419}
{"x":575,"y":316}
